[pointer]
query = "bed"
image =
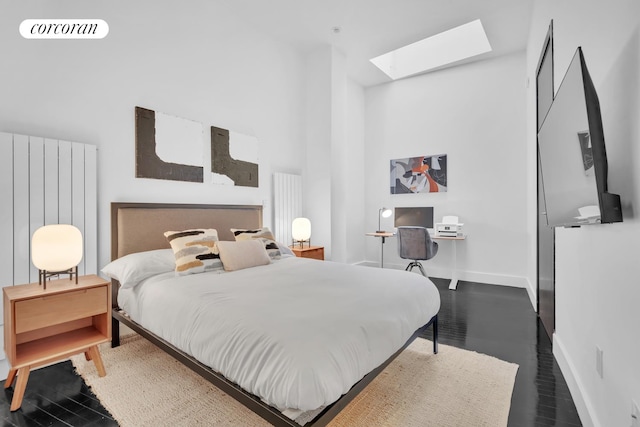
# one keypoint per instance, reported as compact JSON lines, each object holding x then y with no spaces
{"x":293,"y":340}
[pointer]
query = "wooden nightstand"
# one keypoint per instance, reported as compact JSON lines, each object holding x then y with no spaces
{"x":313,"y":252}
{"x":45,"y":326}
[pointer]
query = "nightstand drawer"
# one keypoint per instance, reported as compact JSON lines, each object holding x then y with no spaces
{"x":314,"y":254}
{"x":50,"y":310}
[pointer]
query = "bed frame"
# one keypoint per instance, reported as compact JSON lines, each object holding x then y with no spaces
{"x":138,"y":227}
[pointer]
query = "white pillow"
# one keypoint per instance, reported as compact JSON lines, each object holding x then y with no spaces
{"x":285,"y":250}
{"x":131,"y":269}
{"x":242,"y":254}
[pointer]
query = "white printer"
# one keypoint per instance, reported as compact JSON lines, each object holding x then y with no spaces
{"x":449,"y":227}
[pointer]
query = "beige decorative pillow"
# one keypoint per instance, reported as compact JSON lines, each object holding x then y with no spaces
{"x":242,"y":254}
{"x":262,"y":234}
{"x":195,"y":250}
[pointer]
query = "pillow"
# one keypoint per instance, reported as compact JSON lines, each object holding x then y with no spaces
{"x":195,"y":250}
{"x":131,"y":269}
{"x":262,"y":234}
{"x":242,"y":254}
{"x":285,"y":250}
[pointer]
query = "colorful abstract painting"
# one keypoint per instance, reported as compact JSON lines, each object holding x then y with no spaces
{"x":424,"y":174}
{"x":234,"y":158}
{"x":168,"y":147}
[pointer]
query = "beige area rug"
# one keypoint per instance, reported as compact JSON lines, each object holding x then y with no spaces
{"x":146,"y":387}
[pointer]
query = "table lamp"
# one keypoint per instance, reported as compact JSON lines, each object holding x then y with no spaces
{"x":383,"y":213}
{"x":301,"y":231}
{"x":56,"y":249}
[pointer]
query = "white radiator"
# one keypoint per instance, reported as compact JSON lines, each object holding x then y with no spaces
{"x":287,"y":204}
{"x":44,"y":181}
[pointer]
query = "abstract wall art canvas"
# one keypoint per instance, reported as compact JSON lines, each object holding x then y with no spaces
{"x":168,"y":147}
{"x":234,"y":158}
{"x":424,"y":174}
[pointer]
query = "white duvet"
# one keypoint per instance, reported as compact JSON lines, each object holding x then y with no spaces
{"x":298,"y":333}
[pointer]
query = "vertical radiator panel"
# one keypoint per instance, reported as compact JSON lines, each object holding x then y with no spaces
{"x":77,"y":194}
{"x":64,"y":182}
{"x":21,"y":236}
{"x":90,"y":209}
{"x":36,"y":193}
{"x":287,"y":204}
{"x":44,"y":181}
{"x":6,"y":211}
{"x":51,"y":181}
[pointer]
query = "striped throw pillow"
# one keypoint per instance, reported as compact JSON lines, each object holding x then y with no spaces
{"x":195,"y":250}
{"x":263,"y":234}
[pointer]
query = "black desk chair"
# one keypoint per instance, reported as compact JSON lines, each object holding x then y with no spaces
{"x":414,"y":243}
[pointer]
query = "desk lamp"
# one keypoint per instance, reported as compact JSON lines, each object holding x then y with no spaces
{"x":383,"y":213}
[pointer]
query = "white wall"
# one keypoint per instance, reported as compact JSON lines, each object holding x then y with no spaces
{"x":355,"y":169}
{"x":317,"y":171}
{"x":597,"y":266}
{"x":334,"y":171}
{"x":194,"y":61}
{"x":476,"y":115}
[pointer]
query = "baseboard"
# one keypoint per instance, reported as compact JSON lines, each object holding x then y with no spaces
{"x":583,"y":404}
{"x":4,"y":369}
{"x":469,"y":276}
{"x":533,"y":294}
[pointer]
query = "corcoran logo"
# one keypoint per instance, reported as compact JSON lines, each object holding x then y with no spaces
{"x":64,"y":29}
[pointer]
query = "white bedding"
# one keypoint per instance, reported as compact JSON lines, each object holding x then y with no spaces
{"x":298,"y":333}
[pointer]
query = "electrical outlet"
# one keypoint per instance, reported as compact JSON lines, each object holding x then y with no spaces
{"x":635,"y":414}
{"x":599,"y":366}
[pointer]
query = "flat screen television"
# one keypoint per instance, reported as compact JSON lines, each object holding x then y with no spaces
{"x":415,"y":216}
{"x":573,"y":158}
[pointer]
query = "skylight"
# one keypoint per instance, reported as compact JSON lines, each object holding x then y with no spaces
{"x":450,"y":46}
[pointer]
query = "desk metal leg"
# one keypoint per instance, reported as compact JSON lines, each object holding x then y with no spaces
{"x":382,"y":253}
{"x":454,"y":272}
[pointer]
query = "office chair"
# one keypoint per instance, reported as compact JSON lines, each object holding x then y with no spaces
{"x":414,"y":243}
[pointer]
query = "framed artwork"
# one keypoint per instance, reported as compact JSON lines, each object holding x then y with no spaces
{"x":234,"y":158}
{"x":424,"y":174}
{"x":168,"y":147}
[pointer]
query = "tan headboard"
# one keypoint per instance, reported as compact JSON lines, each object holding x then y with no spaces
{"x":137,"y":227}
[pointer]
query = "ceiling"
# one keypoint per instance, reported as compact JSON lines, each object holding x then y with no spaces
{"x":369,"y":28}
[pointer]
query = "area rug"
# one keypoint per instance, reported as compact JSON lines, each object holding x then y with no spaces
{"x":146,"y":387}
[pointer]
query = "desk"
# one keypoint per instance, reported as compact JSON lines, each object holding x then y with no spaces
{"x":383,"y":236}
{"x":453,"y":285}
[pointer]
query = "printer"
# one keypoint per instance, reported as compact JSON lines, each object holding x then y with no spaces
{"x":449,"y":227}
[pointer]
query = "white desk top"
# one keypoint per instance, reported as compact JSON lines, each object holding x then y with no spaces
{"x":433,"y":236}
{"x":383,"y":234}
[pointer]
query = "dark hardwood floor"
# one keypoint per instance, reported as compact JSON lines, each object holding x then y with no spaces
{"x":494,"y":320}
{"x":499,"y":321}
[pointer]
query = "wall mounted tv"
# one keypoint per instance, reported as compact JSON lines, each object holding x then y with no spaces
{"x":572,"y":153}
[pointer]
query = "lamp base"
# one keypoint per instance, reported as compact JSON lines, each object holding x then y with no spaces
{"x":380,"y":231}
{"x":43,"y":275}
{"x":301,"y":243}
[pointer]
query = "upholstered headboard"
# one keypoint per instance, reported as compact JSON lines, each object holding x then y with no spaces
{"x":137,"y":227}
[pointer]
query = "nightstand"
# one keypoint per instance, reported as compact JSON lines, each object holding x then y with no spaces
{"x":313,"y":252}
{"x":45,"y":326}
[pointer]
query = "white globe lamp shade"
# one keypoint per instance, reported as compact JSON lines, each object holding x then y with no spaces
{"x":301,"y":229}
{"x":56,"y":248}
